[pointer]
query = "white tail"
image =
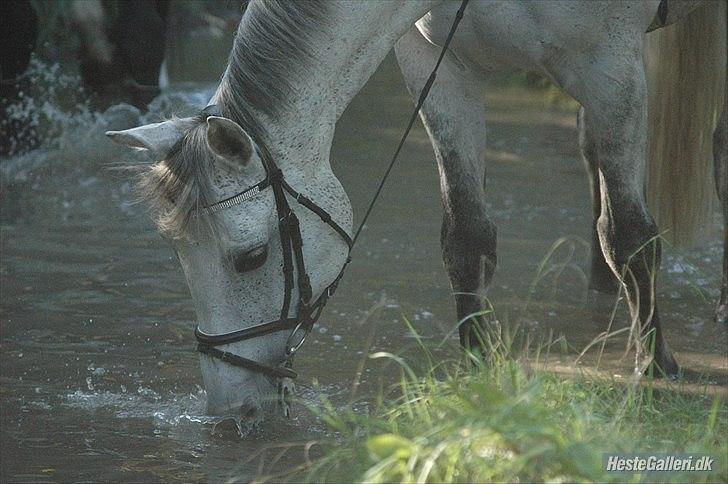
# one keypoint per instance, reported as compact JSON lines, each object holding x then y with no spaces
{"x":686,"y":69}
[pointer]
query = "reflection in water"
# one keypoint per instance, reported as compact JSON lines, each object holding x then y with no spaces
{"x":100,"y":379}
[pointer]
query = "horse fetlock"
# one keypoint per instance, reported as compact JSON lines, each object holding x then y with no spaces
{"x":475,"y":323}
{"x":469,"y":254}
{"x":631,"y":241}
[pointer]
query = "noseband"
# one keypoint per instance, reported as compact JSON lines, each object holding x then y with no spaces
{"x":307,"y":312}
{"x":289,"y":228}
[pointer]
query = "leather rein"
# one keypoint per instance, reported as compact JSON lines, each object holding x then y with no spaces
{"x":307,"y":311}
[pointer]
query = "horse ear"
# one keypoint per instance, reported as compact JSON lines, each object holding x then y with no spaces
{"x":229,"y":141}
{"x":157,"y":138}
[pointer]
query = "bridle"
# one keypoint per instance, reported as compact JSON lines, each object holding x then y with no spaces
{"x":289,"y":229}
{"x":307,"y":312}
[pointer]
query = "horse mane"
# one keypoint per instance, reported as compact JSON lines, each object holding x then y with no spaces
{"x":272,"y":47}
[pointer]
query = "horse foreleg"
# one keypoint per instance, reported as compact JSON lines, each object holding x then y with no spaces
{"x":601,"y":277}
{"x":613,"y":91}
{"x":454,"y":118}
{"x":720,"y":158}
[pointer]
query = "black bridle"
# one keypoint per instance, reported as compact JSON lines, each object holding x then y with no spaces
{"x":289,"y":229}
{"x":307,"y":312}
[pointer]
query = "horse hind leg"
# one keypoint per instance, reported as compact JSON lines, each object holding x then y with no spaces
{"x":720,"y":158}
{"x":614,"y":95}
{"x":601,"y":277}
{"x":454,"y":118}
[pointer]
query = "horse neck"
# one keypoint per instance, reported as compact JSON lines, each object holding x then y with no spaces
{"x":354,"y":45}
{"x":347,"y":50}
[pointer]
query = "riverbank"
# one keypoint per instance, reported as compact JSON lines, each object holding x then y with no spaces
{"x":514,"y":420}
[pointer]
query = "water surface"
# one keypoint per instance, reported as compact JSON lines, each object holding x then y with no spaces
{"x":100,"y":377}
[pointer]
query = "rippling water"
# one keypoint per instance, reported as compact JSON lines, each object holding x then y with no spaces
{"x":100,"y":379}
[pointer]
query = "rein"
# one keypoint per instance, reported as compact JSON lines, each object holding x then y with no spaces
{"x":307,"y":312}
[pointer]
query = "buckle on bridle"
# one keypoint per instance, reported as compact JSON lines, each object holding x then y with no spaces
{"x":286,"y":218}
{"x":291,"y":346}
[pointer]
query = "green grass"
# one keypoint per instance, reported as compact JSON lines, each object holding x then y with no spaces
{"x":501,"y":420}
{"x":508,"y":417}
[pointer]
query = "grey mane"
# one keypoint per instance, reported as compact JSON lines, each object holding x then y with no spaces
{"x":271,"y":48}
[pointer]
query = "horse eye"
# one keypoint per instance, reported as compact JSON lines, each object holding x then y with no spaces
{"x":246,"y":261}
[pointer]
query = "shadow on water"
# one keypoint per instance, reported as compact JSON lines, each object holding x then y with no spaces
{"x":100,"y":380}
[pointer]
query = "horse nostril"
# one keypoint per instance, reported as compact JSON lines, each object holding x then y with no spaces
{"x":246,"y":261}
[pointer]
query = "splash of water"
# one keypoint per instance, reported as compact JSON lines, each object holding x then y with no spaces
{"x":49,"y":102}
{"x":68,"y":172}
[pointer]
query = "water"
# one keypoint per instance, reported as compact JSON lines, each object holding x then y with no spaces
{"x":100,"y":379}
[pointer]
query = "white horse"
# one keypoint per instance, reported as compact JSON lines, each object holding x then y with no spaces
{"x":293,"y":69}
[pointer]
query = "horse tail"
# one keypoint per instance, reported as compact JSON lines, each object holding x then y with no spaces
{"x":686,"y":68}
